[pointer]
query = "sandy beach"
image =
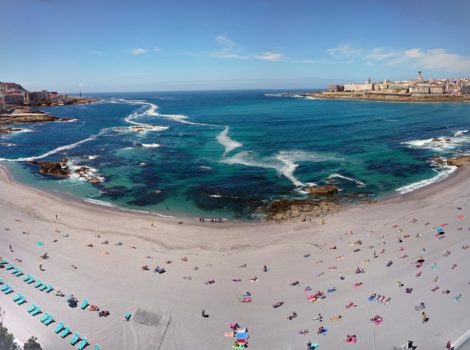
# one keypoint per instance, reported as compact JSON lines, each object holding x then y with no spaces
{"x":97,"y":253}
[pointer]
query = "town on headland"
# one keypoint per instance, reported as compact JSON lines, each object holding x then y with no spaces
{"x":17,"y":105}
{"x":418,"y":90}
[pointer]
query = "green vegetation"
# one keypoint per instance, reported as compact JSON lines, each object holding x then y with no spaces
{"x":6,"y":339}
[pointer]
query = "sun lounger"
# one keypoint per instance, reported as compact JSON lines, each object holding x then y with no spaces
{"x":49,"y":288}
{"x":97,"y":347}
{"x":15,"y":270}
{"x":1,"y":280}
{"x":85,"y":304}
{"x":43,"y":287}
{"x":9,"y":267}
{"x":45,"y":317}
{"x":26,"y":278}
{"x":31,"y":308}
{"x":37,"y":284}
{"x":3,"y":262}
{"x":59,"y":328}
{"x":49,"y":320}
{"x":75,"y":339}
{"x":66,"y":331}
{"x":36,"y":311}
{"x":4,"y":287}
{"x":22,"y":300}
{"x":17,"y":297}
{"x":82,"y":344}
{"x":7,"y":289}
{"x":18,"y":273}
{"x":31,"y":280}
{"x":127,"y":316}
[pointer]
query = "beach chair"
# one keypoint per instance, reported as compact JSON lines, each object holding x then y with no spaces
{"x":75,"y":339}
{"x":37,"y":284}
{"x":36,"y":311}
{"x":15,"y":270}
{"x":8,"y":289}
{"x":127,"y":316}
{"x":22,"y":300}
{"x":17,"y":297}
{"x":59,"y":328}
{"x":49,"y":288}
{"x":18,"y":273}
{"x":83,"y":343}
{"x":31,"y":280}
{"x":1,"y":280}
{"x":44,"y":317}
{"x":65,"y":332}
{"x":49,"y":320}
{"x":31,"y":308}
{"x":96,"y":347}
{"x":85,"y":304}
{"x":26,"y":278}
{"x":43,"y":287}
{"x":9,"y":267}
{"x":4,"y":261}
{"x":4,"y":287}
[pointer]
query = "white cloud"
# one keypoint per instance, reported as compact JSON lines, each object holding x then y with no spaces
{"x":344,"y":51}
{"x":157,"y":49}
{"x":430,"y":59}
{"x":139,"y":51}
{"x":228,"y":48}
{"x":96,"y":52}
{"x":270,"y":56}
{"x":224,"y":41}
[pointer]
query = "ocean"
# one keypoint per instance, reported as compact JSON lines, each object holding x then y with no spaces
{"x":225,"y":154}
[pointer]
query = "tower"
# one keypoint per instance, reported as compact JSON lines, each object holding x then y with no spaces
{"x":420,"y":77}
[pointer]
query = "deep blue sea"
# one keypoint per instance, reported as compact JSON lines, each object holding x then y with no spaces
{"x":224,"y":154}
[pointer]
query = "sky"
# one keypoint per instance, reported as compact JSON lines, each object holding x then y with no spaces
{"x":158,"y":45}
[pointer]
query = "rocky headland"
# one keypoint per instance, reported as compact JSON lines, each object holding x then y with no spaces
{"x":62,"y":169}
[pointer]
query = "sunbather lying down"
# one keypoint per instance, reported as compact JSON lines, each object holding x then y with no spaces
{"x":278,"y":304}
{"x":291,"y":317}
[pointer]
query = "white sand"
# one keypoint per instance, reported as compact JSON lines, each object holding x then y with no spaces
{"x":115,"y":281}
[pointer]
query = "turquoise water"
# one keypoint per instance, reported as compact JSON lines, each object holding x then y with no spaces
{"x":224,"y":154}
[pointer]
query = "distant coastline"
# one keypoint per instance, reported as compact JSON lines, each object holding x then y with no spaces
{"x":370,"y":96}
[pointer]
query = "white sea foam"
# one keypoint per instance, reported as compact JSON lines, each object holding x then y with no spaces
{"x":215,"y":196}
{"x":442,"y":173}
{"x":99,"y":202}
{"x":7,"y":144}
{"x":460,"y":133}
{"x":150,"y":145}
{"x":339,"y":176}
{"x":225,"y":140}
{"x":285,"y":162}
{"x":54,"y":151}
{"x":441,"y":143}
{"x":90,"y":174}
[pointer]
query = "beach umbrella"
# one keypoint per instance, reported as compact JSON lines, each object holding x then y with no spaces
{"x":440,"y":230}
{"x":40,"y":244}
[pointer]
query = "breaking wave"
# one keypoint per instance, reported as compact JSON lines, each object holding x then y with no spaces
{"x":284,"y":162}
{"x":339,"y":176}
{"x":225,"y":140}
{"x":442,"y":172}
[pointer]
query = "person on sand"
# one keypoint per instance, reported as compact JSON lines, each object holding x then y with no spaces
{"x":410,"y":345}
{"x":11,"y":249}
{"x":424,"y":317}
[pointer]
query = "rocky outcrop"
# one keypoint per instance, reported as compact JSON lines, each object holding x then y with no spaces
{"x":323,"y":191}
{"x":57,"y":169}
{"x":29,"y":118}
{"x":88,"y":174}
{"x":458,"y":161}
{"x":283,"y":210}
{"x":8,"y":130}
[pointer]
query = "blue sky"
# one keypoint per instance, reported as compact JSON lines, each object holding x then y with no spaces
{"x":149,"y":45}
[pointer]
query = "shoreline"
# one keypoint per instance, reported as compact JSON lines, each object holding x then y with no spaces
{"x":386,"y":97}
{"x":394,"y":196}
{"x":97,"y":253}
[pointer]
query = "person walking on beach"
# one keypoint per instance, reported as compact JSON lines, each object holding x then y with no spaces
{"x":424,"y":317}
{"x":11,"y":248}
